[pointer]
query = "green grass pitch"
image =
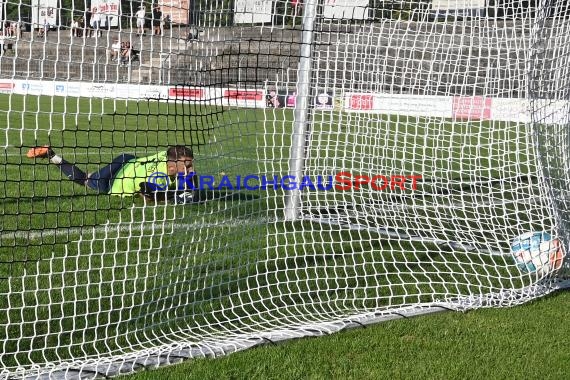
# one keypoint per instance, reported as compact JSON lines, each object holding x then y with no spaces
{"x":525,"y":342}
{"x":83,"y":273}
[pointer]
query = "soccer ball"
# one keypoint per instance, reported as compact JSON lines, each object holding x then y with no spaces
{"x":537,"y":252}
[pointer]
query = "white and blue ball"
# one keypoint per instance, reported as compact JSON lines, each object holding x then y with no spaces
{"x":537,"y":252}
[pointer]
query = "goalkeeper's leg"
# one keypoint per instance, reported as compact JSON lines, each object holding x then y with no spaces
{"x":99,"y":181}
{"x":68,"y":169}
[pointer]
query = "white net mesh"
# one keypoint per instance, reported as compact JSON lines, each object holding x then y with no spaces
{"x":357,"y":161}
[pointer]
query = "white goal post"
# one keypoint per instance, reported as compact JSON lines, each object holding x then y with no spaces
{"x":356,"y":161}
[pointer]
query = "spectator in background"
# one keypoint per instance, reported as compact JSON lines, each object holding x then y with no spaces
{"x":46,"y":27}
{"x":96,"y":22}
{"x":272,"y":100}
{"x":7,"y":29}
{"x":193,"y":34}
{"x":156,"y":20}
{"x":140,"y":15}
{"x":88,"y":32}
{"x":81,"y":31}
{"x":115,"y":49}
{"x":2,"y":43}
{"x":43,"y":30}
{"x":292,"y":99}
{"x":16,"y":29}
{"x":295,"y":9}
{"x":166,"y":21}
{"x":126,"y":53}
{"x":75,"y":27}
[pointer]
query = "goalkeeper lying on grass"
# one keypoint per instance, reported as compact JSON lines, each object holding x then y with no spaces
{"x":153,"y":177}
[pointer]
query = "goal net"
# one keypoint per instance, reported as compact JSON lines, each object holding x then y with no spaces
{"x":355,"y":161}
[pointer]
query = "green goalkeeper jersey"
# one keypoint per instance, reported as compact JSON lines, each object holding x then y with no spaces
{"x":147,"y":169}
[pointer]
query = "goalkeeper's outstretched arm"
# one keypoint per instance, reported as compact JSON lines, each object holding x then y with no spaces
{"x":150,"y":192}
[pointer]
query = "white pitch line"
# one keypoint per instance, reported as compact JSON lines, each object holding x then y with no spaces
{"x":109,"y":229}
